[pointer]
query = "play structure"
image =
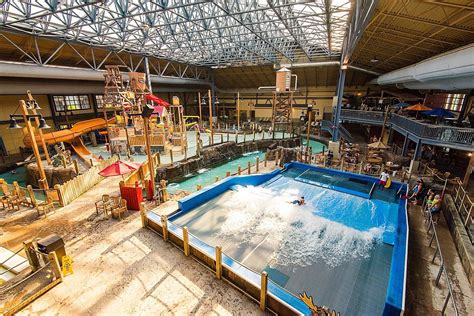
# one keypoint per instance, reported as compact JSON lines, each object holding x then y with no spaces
{"x":166,"y":126}
{"x":73,"y":135}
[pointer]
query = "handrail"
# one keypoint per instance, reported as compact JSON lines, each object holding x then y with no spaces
{"x":448,"y":134}
{"x":442,"y":268}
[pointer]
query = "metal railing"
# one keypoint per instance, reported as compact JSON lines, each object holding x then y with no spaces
{"x":362,"y":116}
{"x":329,"y":127}
{"x":448,"y":134}
{"x":464,"y":206}
{"x":442,"y":133}
{"x":442,"y":267}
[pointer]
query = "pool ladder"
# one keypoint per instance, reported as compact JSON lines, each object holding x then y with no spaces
{"x":372,"y":190}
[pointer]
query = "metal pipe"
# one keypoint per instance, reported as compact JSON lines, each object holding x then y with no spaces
{"x":26,"y":70}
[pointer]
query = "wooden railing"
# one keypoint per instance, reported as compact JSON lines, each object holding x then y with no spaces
{"x":464,"y":205}
{"x":143,"y":172}
{"x":74,"y":188}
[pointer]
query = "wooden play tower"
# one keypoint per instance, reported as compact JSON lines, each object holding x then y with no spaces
{"x":282,"y":105}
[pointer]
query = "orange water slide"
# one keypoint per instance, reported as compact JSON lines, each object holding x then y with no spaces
{"x":72,"y":136}
{"x":67,"y":135}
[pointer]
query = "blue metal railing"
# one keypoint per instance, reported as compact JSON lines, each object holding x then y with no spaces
{"x":441,"y":133}
{"x":329,"y":127}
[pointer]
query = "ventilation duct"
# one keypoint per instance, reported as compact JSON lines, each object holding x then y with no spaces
{"x":453,"y":70}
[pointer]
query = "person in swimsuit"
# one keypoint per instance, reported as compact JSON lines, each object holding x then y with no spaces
{"x":300,"y":201}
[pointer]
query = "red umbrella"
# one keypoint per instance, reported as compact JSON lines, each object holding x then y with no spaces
{"x":118,"y":168}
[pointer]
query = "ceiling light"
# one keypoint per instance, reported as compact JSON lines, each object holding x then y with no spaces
{"x":42,"y":124}
{"x":374,"y":60}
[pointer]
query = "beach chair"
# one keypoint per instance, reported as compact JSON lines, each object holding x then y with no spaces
{"x":45,"y":207}
{"x":18,"y":199}
{"x":104,"y":205}
{"x":118,"y":210}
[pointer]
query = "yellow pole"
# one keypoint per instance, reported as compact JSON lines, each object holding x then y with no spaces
{"x":40,"y":132}
{"x":210,"y":117}
{"x":43,"y":183}
{"x":149,"y":156}
{"x":186,"y":241}
{"x":218,"y":262}
{"x":200,"y":108}
{"x":263,"y":290}
{"x":238,"y":111}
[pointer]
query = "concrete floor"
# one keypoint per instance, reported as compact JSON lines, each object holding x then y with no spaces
{"x":120,"y":268}
{"x":423,"y":297}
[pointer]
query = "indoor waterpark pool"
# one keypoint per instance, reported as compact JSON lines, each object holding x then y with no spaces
{"x":207,"y":176}
{"x":344,"y":249}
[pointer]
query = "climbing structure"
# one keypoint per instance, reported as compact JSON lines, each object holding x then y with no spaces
{"x":282,"y":108}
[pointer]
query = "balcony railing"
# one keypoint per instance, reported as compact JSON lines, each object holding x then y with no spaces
{"x":441,"y":133}
{"x":448,"y":134}
{"x":362,"y":116}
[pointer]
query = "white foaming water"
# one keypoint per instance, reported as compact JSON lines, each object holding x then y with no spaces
{"x":297,"y":235}
{"x":202,"y":170}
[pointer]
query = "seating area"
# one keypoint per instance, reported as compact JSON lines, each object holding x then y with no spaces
{"x":113,"y":206}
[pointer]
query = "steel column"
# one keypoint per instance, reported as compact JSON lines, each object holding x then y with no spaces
{"x":337,"y":112}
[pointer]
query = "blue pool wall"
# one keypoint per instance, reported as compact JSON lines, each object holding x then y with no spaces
{"x":395,"y":299}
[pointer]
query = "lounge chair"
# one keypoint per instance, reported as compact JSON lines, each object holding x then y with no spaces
{"x":119,"y":209}
{"x":45,"y":207}
{"x":104,"y":205}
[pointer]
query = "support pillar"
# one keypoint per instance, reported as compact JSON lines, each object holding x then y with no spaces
{"x":337,"y":112}
{"x":417,"y":150}
{"x":405,"y":146}
{"x":147,"y":73}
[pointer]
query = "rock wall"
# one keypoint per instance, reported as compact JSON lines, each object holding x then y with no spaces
{"x":220,"y":153}
{"x":54,"y":175}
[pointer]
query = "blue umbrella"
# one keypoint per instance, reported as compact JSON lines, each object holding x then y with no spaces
{"x":402,"y":105}
{"x":439,"y":112}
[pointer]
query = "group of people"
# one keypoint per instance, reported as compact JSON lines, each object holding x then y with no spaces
{"x":419,"y":192}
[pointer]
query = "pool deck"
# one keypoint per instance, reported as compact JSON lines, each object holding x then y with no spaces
{"x":121,"y":268}
{"x":423,"y":296}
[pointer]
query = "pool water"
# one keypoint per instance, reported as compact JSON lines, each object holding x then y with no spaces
{"x":337,"y":247}
{"x":316,"y":147}
{"x":207,"y":176}
{"x":18,"y":175}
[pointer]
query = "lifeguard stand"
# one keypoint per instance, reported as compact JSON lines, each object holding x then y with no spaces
{"x":282,"y":105}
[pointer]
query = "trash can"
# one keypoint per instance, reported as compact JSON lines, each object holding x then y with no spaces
{"x":52,"y":243}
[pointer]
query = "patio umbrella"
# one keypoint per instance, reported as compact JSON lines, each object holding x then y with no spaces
{"x":378,"y":144}
{"x":119,"y":168}
{"x":418,"y":107}
{"x":439,"y":112}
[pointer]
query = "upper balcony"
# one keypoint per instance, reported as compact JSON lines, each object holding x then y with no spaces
{"x":442,"y":135}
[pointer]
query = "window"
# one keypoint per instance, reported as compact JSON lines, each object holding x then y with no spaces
{"x":454,"y":102}
{"x":99,"y":100}
{"x":71,"y":102}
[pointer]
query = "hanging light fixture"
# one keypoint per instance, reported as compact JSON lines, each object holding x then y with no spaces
{"x":42,"y":123}
{"x":203,"y":101}
{"x":13,"y":124}
{"x":374,"y":60}
{"x":216,"y":100}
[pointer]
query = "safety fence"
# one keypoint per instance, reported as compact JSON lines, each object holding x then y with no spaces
{"x":72,"y":189}
{"x":44,"y":273}
{"x":464,"y":205}
{"x":143,"y":172}
{"x":257,"y":286}
{"x":442,"y":268}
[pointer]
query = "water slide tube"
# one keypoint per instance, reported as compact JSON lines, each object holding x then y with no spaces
{"x":72,"y":136}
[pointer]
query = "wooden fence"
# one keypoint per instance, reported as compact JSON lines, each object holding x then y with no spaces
{"x":73,"y":188}
{"x":143,"y":172}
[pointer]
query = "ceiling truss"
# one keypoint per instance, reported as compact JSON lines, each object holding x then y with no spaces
{"x":216,"y":33}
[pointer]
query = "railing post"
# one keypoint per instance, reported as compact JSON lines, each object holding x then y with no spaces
{"x":248,"y":167}
{"x":186,"y":241}
{"x":257,"y":165}
{"x":76,"y":167}
{"x":265,"y":161}
{"x":227,"y":174}
{"x":53,"y":258}
{"x":164,"y":226}
{"x":218,"y":262}
{"x":263,"y":290}
{"x":143,"y":214}
{"x":57,"y":187}
{"x":171,"y":156}
{"x":239,"y":170}
{"x":31,"y":193}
